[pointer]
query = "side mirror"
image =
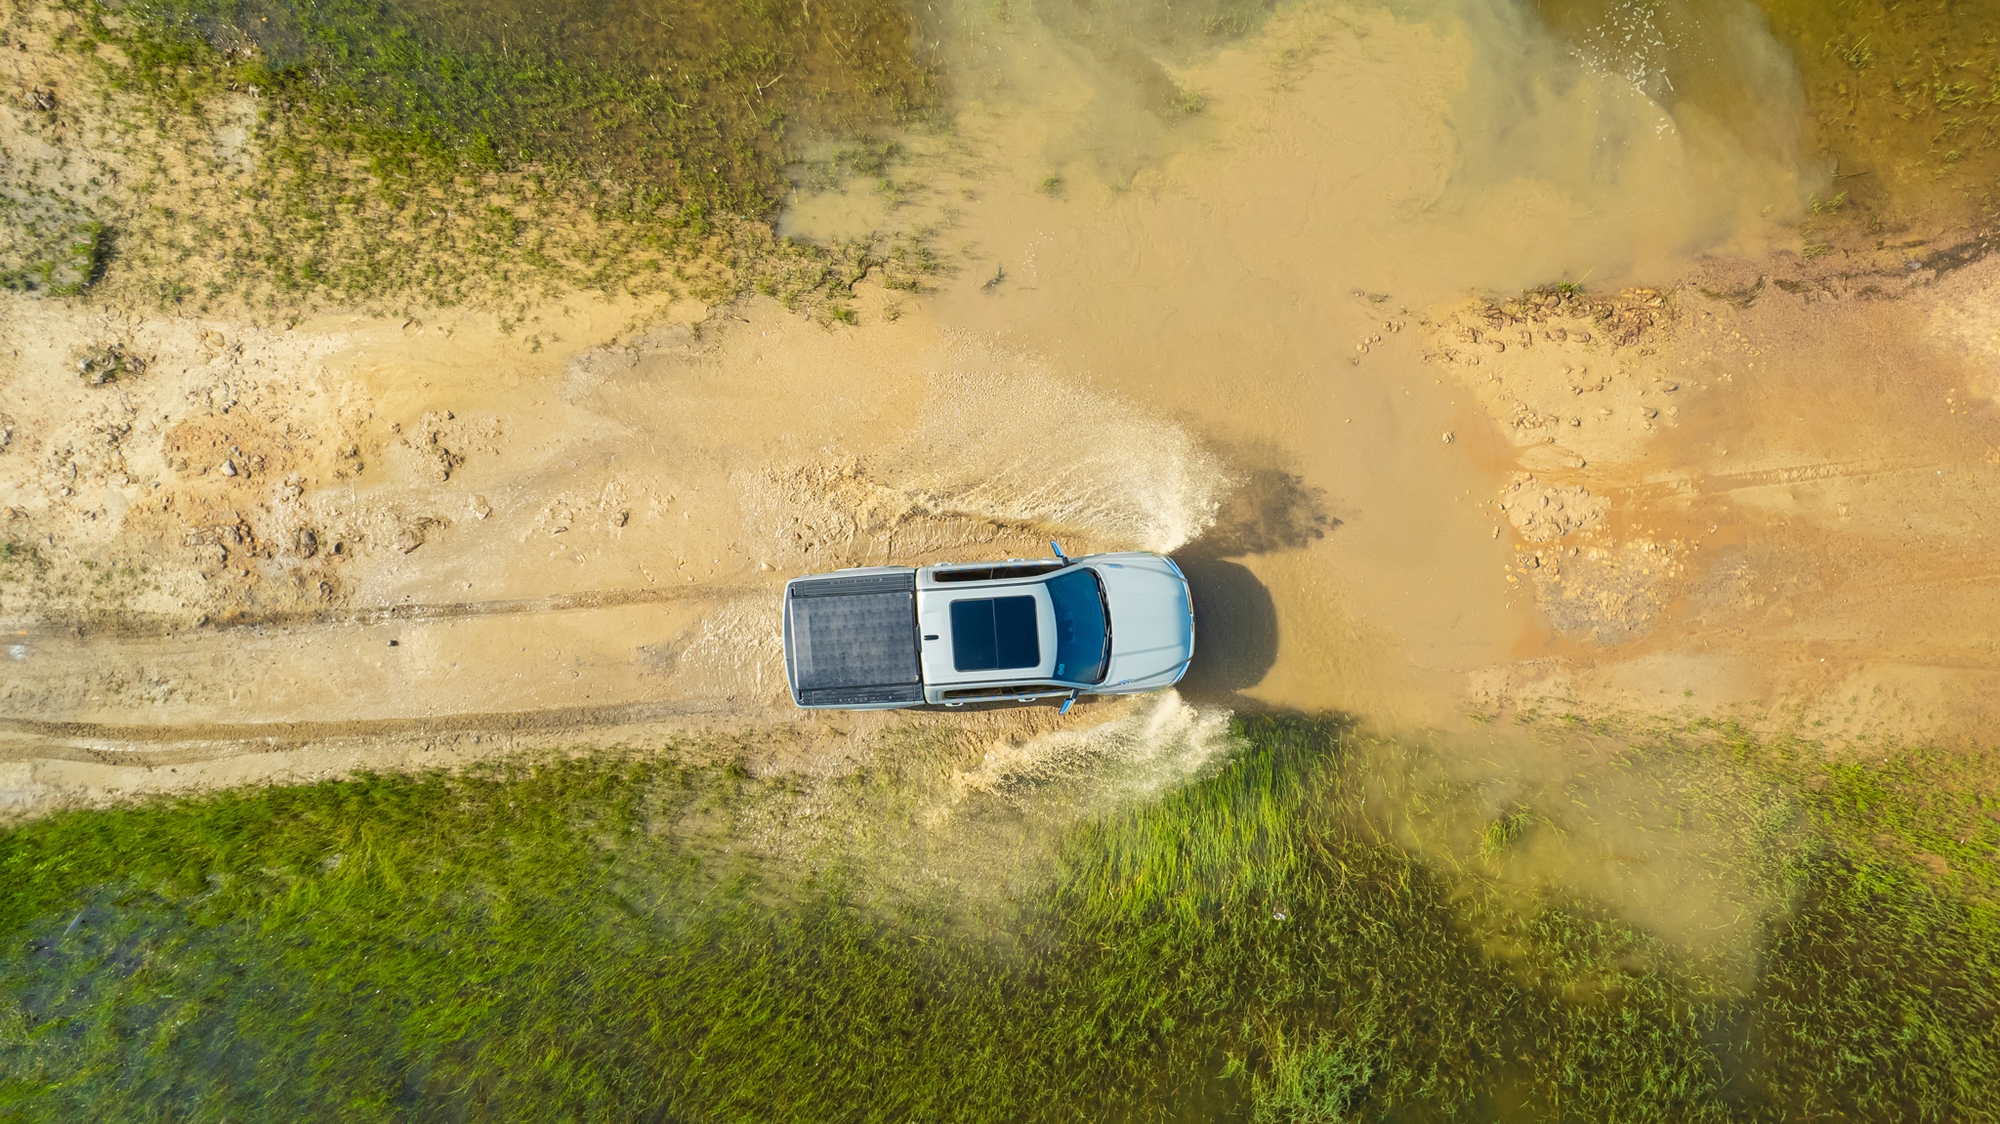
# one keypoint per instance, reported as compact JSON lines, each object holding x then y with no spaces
{"x":1060,"y":556}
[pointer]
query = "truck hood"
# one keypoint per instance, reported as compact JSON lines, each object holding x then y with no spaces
{"x":1152,"y":621}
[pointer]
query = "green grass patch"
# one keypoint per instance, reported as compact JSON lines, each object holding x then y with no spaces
{"x":617,"y":938}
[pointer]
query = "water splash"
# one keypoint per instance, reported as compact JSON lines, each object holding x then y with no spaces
{"x":1675,"y":124}
{"x":1035,"y":448}
{"x":1162,"y":743}
{"x":739,"y":648}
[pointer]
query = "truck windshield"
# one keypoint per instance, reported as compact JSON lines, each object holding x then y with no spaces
{"x":1083,"y":628}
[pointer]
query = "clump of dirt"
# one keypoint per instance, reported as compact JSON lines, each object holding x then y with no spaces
{"x":1606,"y":594}
{"x":192,"y":492}
{"x":1542,"y":511}
{"x":1556,"y":314}
{"x":105,"y":363}
{"x":1588,"y":585}
{"x":439,"y":442}
{"x":1571,"y":378}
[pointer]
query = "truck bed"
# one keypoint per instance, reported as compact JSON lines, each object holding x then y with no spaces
{"x":851,"y":640}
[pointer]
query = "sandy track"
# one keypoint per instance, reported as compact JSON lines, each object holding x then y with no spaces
{"x":106,"y":744}
{"x":128,"y":628}
{"x":258,"y":621}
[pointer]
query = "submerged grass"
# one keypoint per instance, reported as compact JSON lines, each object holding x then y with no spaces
{"x":1906,"y":97}
{"x":598,"y":939}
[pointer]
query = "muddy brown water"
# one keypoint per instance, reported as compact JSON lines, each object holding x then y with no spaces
{"x":1253,"y":297}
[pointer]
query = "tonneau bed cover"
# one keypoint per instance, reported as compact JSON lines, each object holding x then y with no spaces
{"x":851,"y":639}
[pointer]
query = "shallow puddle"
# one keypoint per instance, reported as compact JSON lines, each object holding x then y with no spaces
{"x":1263,"y":271}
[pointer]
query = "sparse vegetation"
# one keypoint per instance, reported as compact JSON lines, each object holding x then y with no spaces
{"x":1855,"y":53}
{"x":19,"y":561}
{"x":46,"y":247}
{"x":351,"y":153}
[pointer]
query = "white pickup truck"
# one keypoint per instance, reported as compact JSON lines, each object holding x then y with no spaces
{"x":892,"y":636}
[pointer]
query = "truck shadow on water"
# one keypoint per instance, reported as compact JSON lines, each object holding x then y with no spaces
{"x":1235,"y":630}
{"x":1235,"y":620}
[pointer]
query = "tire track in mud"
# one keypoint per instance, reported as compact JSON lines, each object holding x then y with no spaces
{"x":176,"y":744}
{"x":150,"y":744}
{"x":140,"y":629}
{"x":1949,"y":657}
{"x":1833,"y":576}
{"x":1780,"y":475}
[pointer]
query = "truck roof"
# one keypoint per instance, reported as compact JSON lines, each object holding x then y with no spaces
{"x":992,"y":631}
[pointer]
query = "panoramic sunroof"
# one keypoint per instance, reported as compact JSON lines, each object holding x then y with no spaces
{"x":994,"y":634}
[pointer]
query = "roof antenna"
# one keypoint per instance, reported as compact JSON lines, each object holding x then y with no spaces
{"x":1057,"y":547}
